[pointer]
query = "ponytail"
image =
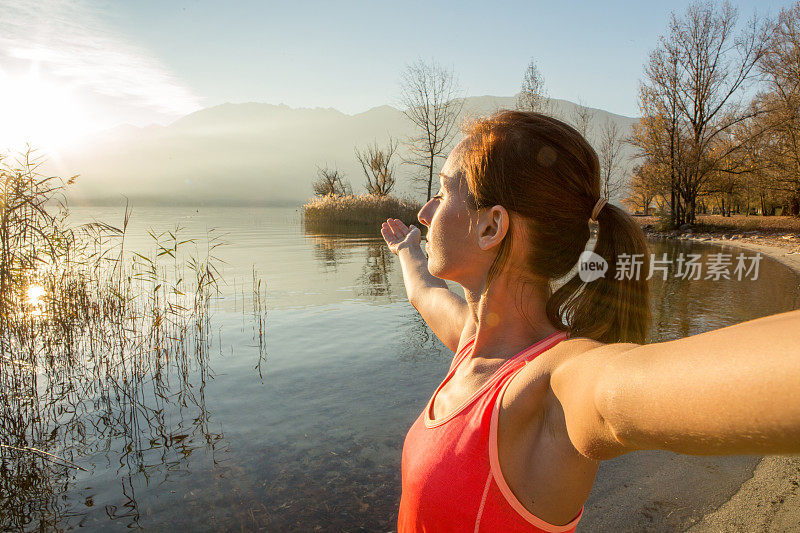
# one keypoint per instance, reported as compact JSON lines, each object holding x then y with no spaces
{"x":609,"y":309}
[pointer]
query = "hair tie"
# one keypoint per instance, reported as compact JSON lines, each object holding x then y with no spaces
{"x":597,"y":207}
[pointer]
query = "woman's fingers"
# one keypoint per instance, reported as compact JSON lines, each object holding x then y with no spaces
{"x":390,"y":230}
{"x":386,"y":232}
{"x":399,"y":228}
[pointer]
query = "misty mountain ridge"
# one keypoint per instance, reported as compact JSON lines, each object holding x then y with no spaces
{"x":253,"y":153}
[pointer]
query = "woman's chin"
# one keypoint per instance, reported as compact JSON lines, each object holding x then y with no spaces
{"x":433,"y":268}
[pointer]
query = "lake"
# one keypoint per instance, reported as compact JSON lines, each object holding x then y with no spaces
{"x":299,"y":426}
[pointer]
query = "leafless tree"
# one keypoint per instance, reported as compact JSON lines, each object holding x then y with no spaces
{"x":659,"y":135}
{"x":377,"y":165}
{"x":699,"y":71}
{"x":532,"y":96}
{"x":330,"y":181}
{"x":781,"y":69}
{"x":582,"y":119}
{"x":431,"y":100}
{"x":610,"y":154}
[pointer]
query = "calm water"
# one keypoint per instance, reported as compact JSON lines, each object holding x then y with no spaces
{"x":307,"y":433}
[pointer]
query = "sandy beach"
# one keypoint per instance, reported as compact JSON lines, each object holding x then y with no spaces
{"x":770,"y":500}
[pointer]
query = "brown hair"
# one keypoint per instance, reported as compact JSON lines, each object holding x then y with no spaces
{"x":544,"y":171}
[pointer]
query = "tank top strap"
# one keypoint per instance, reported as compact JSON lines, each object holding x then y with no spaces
{"x":462,"y":352}
{"x":528,"y":354}
{"x":517,"y":363}
{"x":497,"y":379}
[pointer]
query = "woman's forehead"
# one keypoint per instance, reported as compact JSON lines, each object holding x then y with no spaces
{"x":451,"y":180}
{"x":454,"y":160}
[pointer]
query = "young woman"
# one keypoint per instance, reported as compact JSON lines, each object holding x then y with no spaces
{"x":544,"y":385}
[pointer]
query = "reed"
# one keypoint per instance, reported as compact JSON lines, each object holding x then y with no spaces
{"x":363,"y":211}
{"x":100,"y":348}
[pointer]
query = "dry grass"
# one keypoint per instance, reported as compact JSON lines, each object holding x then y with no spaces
{"x":363,"y":211}
{"x":100,"y":349}
{"x":737,"y":224}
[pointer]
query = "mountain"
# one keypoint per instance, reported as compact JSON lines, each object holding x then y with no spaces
{"x":251,"y":153}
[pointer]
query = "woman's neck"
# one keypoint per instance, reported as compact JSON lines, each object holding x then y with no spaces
{"x":510,"y":317}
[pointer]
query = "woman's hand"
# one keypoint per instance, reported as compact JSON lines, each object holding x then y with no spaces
{"x":397,"y":235}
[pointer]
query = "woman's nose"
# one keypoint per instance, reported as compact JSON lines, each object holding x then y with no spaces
{"x":423,"y":216}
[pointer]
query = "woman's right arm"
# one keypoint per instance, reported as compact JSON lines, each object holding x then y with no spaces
{"x":445,"y":312}
{"x":729,"y":391}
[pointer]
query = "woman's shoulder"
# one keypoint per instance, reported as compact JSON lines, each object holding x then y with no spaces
{"x":528,"y":390}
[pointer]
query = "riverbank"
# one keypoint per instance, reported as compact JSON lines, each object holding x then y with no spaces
{"x":770,"y":500}
{"x":778,"y":237}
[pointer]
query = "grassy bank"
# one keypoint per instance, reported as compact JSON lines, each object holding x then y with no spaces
{"x":774,"y":236}
{"x":357,"y":212}
{"x":777,"y":231}
{"x":717,"y":224}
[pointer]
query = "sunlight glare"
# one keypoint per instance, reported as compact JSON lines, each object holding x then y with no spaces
{"x":35,"y":293}
{"x":42,"y":113}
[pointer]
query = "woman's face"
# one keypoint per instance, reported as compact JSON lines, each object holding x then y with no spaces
{"x":450,"y":243}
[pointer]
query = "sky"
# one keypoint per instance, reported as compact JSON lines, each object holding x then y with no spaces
{"x":68,"y":68}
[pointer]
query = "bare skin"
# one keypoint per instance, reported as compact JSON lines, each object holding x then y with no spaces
{"x":728,"y":391}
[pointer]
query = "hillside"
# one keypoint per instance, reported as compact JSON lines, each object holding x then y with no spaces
{"x":252,"y":153}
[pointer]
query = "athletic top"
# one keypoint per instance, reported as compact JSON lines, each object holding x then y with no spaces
{"x":451,"y":478}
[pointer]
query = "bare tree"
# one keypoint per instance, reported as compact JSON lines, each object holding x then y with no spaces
{"x":610,"y":154}
{"x":330,"y":182}
{"x":430,"y":96}
{"x":532,"y":96}
{"x":696,"y":77}
{"x":781,"y":70}
{"x":377,"y":165}
{"x":659,"y":135}
{"x":582,"y":119}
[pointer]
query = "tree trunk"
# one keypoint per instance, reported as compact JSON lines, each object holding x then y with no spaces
{"x":430,"y":177}
{"x":672,"y":208}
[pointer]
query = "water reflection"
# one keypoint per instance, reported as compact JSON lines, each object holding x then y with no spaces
{"x":141,"y":417}
{"x":34,"y":298}
{"x":374,"y":278}
{"x":686,"y":307}
{"x":374,"y":281}
{"x":329,"y":250}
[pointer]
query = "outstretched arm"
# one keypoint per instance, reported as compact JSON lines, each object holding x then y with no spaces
{"x":734,"y":390}
{"x":444,"y":311}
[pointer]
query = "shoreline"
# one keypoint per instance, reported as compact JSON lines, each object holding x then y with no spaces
{"x":770,"y":500}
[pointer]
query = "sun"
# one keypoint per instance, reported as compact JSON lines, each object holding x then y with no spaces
{"x":42,"y":113}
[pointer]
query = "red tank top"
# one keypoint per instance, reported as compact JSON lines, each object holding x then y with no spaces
{"x":451,"y":479}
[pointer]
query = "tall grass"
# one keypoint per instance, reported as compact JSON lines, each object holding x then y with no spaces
{"x":357,"y":212}
{"x":100,"y":348}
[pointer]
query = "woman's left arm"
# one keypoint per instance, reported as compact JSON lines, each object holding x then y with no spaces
{"x":734,"y":390}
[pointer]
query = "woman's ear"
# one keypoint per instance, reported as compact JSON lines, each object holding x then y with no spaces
{"x":492,"y":226}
